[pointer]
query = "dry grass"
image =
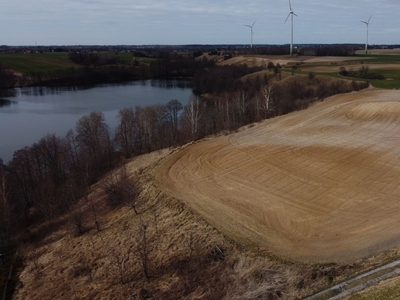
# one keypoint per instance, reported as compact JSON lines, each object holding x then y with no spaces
{"x":188,"y":257}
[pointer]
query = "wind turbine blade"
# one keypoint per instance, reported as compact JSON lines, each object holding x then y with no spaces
{"x":364,"y":22}
{"x":287,"y":18}
{"x":290,"y":6}
{"x":294,"y":14}
{"x":253,"y":23}
{"x":369,"y":18}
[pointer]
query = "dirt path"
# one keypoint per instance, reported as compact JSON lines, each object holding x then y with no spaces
{"x":320,"y":184}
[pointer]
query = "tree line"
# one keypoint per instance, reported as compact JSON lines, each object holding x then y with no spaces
{"x":102,"y":68}
{"x":45,"y":180}
{"x":303,"y":50}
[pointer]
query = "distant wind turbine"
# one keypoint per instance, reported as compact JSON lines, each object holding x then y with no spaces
{"x":251,"y":34}
{"x":291,"y":13}
{"x":366,"y":23}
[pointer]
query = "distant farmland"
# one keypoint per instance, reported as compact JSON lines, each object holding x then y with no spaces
{"x":25,"y":63}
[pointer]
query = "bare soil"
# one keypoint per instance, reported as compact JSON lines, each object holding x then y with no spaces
{"x":316,"y":185}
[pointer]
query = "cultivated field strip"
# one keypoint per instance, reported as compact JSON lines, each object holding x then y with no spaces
{"x":320,"y":184}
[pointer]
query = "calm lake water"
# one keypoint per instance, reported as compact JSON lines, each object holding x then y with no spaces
{"x":28,"y":114}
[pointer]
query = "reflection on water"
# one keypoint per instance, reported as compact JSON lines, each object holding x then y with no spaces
{"x":41,"y":90}
{"x":4,"y":102}
{"x":46,"y":90}
{"x":170,"y":84}
{"x":28,"y":114}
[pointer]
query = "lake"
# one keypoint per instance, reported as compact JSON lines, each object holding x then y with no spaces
{"x":28,"y":114}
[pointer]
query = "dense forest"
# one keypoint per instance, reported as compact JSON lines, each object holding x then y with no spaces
{"x":45,"y":180}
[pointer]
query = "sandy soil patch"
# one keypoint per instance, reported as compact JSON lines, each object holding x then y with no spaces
{"x":320,"y":184}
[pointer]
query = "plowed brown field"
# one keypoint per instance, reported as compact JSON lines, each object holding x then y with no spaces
{"x":321,"y":184}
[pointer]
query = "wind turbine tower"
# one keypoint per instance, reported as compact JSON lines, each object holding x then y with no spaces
{"x":291,"y":13}
{"x":251,"y":33}
{"x":366,"y":23}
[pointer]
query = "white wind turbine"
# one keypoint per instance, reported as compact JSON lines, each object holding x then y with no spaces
{"x":291,"y":13}
{"x":251,"y":27}
{"x":366,"y":23}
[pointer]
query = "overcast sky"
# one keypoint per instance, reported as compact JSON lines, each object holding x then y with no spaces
{"x":178,"y":22}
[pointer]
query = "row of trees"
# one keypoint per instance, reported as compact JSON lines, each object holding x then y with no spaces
{"x":104,"y":68}
{"x":308,"y":50}
{"x":96,"y":68}
{"x":45,"y":174}
{"x":46,"y":179}
{"x":93,"y":58}
{"x":334,"y":50}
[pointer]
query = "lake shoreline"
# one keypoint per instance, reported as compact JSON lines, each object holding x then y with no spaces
{"x":29,"y":113}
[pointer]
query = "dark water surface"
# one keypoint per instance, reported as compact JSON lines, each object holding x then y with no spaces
{"x":28,"y":114}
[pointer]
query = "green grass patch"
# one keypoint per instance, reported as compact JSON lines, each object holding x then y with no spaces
{"x":392,"y":80}
{"x":44,"y":62}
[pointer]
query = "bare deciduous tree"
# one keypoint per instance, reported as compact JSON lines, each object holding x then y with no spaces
{"x":241,"y":106}
{"x":267,"y":92}
{"x":192,"y":117}
{"x":126,"y":132}
{"x":173,"y":108}
{"x":93,"y":139}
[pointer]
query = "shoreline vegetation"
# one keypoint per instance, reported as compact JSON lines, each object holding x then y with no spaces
{"x":69,"y":181}
{"x":95,"y":68}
